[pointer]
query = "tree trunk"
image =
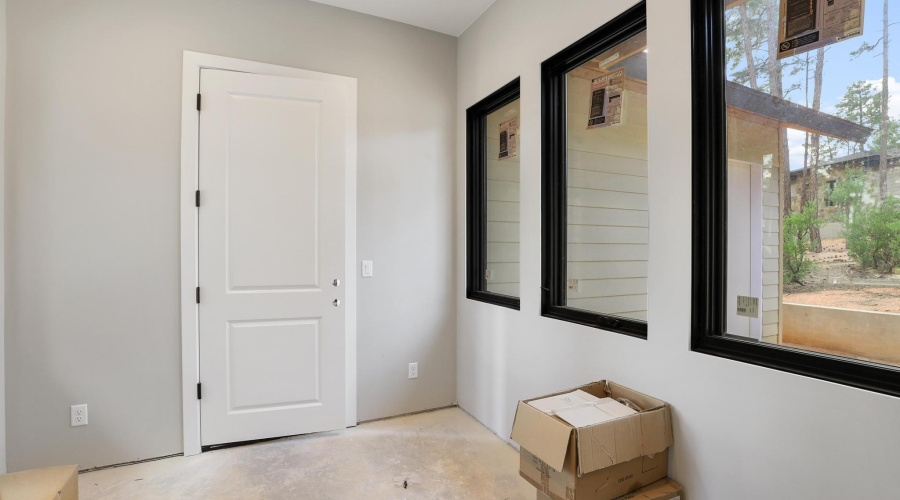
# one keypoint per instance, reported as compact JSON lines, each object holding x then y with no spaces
{"x":815,"y":235}
{"x":748,"y":47}
{"x":885,"y":119}
{"x":805,"y":184}
{"x":776,"y":89}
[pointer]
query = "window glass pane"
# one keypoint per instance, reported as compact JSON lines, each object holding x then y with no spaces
{"x":606,"y":167}
{"x":502,"y":272}
{"x":813,"y":183}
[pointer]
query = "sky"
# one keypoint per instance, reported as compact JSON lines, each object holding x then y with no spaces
{"x":841,"y":70}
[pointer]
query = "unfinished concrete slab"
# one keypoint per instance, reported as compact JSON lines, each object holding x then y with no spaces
{"x":444,"y":454}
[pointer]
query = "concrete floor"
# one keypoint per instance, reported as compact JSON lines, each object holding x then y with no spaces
{"x":442,"y":454}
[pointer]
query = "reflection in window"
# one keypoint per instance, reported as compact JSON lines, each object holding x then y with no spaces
{"x":813,"y":188}
{"x":502,"y":264}
{"x":606,"y":171}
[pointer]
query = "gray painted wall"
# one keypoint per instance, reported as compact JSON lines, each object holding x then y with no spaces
{"x":741,"y":431}
{"x":94,"y":96}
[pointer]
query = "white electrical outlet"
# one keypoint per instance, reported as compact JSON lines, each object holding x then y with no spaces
{"x":414,"y":370}
{"x":79,"y":415}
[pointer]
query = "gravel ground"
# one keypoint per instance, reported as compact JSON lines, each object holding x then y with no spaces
{"x":838,"y":282}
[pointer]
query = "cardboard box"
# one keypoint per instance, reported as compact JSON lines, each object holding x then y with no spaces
{"x":52,"y":483}
{"x":664,"y":489}
{"x":598,"y":462}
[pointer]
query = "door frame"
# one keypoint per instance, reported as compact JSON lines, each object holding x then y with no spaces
{"x":193,"y":62}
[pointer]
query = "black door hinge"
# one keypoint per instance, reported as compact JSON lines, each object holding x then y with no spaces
{"x":198,"y":391}
{"x":198,"y":102}
{"x":198,"y":294}
{"x":197,"y":198}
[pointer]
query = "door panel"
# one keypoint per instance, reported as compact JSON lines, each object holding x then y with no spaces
{"x":272,"y":241}
{"x":272,"y":188}
{"x":273,"y":364}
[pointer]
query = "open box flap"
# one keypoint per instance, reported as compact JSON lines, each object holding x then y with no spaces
{"x":544,"y":436}
{"x":623,"y":439}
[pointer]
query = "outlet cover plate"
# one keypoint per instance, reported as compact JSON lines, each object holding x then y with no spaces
{"x":79,"y":415}
{"x":414,"y":370}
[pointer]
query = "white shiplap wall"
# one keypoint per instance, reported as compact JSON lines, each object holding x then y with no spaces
{"x":502,"y":208}
{"x":772,"y":241}
{"x":607,"y":207}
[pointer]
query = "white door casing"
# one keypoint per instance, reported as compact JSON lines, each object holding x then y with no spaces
{"x":275,"y":161}
{"x":745,"y":231}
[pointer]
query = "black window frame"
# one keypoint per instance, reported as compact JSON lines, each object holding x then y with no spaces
{"x":708,"y":332}
{"x":476,"y":195}
{"x":554,"y":170}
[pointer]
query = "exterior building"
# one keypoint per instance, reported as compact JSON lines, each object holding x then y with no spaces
{"x":832,"y":171}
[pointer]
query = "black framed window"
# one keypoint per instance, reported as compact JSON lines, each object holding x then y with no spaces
{"x":796,"y":222}
{"x":492,"y":198}
{"x":594,"y":178}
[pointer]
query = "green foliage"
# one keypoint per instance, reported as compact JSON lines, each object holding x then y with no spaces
{"x":848,"y":193}
{"x":797,"y":243}
{"x":873,"y":237}
{"x":861,"y":104}
{"x":893,"y":135}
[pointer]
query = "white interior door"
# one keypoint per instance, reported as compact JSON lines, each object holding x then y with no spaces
{"x":271,"y":256}
{"x":744,"y":245}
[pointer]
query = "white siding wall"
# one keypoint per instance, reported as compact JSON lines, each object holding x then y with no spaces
{"x":502,"y":208}
{"x":772,"y":240}
{"x":607,"y":207}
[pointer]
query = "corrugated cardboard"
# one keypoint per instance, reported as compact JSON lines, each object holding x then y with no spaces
{"x":598,"y":446}
{"x":664,"y":489}
{"x":604,"y":484}
{"x":52,"y":483}
{"x":597,"y":462}
{"x":546,"y":435}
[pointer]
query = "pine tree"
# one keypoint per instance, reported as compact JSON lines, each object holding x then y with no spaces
{"x":884,"y":101}
{"x":860,"y":104}
{"x":812,"y":170}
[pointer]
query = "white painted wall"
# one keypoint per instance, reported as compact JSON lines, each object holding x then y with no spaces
{"x":94,"y":102}
{"x":741,"y":431}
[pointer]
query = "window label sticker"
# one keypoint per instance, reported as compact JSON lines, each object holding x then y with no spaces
{"x":607,"y":92}
{"x":805,"y":25}
{"x":509,"y":139}
{"x":748,"y":306}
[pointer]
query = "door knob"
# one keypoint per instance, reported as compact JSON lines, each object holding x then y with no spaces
{"x":336,"y":282}
{"x":336,"y":303}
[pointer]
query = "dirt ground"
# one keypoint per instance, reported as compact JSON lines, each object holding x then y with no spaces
{"x":839,"y":282}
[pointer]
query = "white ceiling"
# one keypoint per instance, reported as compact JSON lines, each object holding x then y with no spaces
{"x":450,"y":17}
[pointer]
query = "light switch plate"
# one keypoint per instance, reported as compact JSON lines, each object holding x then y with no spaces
{"x":367,"y":269}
